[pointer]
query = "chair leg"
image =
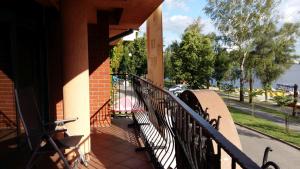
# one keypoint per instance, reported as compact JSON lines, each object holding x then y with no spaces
{"x":67,"y":165}
{"x":81,"y":157}
{"x":28,"y":165}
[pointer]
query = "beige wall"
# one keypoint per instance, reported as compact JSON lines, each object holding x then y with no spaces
{"x":155,"y":48}
{"x":76,"y":69}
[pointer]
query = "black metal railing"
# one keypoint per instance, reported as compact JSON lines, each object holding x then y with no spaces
{"x":175,"y":135}
{"x":122,"y":99}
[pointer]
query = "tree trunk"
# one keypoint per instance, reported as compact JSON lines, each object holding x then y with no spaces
{"x":251,"y":88}
{"x":207,"y":84}
{"x":242,"y":89}
{"x":219,"y":85}
{"x":242,"y":77}
{"x":294,"y":110}
{"x":266,"y":94}
{"x":295,"y":99}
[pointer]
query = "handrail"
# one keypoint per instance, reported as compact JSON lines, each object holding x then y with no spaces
{"x":222,"y":143}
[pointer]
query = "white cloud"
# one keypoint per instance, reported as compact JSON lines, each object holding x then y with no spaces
{"x":208,"y":26}
{"x":289,"y":11}
{"x":130,"y":37}
{"x":177,"y":4}
{"x":143,"y":27}
{"x":176,"y":23}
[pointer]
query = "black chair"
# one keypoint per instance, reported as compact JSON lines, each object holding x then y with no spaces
{"x":39,"y":136}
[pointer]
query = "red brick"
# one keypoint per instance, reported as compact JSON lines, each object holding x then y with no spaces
{"x":7,"y":103}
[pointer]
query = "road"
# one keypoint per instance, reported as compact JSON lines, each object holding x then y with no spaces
{"x":254,"y":144}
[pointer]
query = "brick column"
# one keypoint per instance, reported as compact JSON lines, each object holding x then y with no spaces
{"x":75,"y":69}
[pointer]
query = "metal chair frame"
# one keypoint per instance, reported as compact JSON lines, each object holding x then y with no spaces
{"x":43,"y":133}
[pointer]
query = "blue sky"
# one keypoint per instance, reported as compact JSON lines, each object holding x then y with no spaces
{"x":178,"y":14}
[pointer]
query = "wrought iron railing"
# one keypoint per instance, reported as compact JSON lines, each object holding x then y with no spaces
{"x":122,"y":95}
{"x":175,"y":135}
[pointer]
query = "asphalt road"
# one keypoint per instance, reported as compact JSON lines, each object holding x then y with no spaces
{"x":254,"y":144}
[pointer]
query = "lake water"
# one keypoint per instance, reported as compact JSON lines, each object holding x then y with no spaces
{"x":289,"y":77}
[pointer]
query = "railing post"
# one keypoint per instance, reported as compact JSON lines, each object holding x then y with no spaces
{"x":295,"y":99}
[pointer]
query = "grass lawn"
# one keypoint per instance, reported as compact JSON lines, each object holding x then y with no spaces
{"x":265,"y":126}
{"x":278,"y":113}
{"x":268,"y":110}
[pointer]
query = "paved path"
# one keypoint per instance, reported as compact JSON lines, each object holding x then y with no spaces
{"x":280,"y":121}
{"x":270,"y":104}
{"x":254,"y":144}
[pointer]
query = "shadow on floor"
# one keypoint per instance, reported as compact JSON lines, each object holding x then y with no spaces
{"x":111,"y":148}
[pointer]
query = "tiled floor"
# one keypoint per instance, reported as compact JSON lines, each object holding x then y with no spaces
{"x":112,"y":148}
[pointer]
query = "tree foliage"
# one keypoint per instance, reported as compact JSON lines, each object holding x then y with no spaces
{"x":274,"y":51}
{"x":173,"y":62}
{"x":176,"y":62}
{"x":239,"y":20}
{"x":137,"y":56}
{"x":223,"y":62}
{"x":116,"y":55}
{"x":192,"y":59}
{"x":261,"y":48}
{"x":130,"y":57}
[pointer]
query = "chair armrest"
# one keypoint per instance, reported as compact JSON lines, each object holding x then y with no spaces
{"x":60,"y":122}
{"x":50,"y":133}
{"x":64,"y":121}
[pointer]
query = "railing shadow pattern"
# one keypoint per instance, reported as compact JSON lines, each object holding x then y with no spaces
{"x":177,"y":134}
{"x":178,"y":137}
{"x":101,"y":117}
{"x":6,"y":122}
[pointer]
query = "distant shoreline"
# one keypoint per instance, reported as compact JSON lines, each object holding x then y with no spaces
{"x":290,"y":77}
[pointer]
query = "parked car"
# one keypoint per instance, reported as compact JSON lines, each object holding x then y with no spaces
{"x":177,"y":89}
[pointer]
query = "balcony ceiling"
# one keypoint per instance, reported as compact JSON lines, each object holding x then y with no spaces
{"x":134,"y":13}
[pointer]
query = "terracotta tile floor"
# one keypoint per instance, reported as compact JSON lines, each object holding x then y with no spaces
{"x":112,"y":148}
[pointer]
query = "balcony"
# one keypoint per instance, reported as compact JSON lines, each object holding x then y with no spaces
{"x":112,"y":147}
{"x":151,"y":128}
{"x":174,"y":134}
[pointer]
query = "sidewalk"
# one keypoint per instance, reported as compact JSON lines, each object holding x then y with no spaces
{"x":262,"y":114}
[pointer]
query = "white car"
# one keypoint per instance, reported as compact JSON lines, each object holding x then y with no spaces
{"x":177,"y":89}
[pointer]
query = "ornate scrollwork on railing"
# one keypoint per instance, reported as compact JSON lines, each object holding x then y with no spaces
{"x":179,"y":134}
{"x":268,"y":164}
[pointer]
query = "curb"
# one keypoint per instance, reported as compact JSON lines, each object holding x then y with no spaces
{"x":284,"y":142}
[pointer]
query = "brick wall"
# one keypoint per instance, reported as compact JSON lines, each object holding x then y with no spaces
{"x":100,"y":95}
{"x":99,"y":69}
{"x":7,"y":101}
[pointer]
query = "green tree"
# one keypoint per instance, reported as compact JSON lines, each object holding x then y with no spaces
{"x":274,"y":48}
{"x":136,"y":56}
{"x":176,"y":72}
{"x":239,"y":21}
{"x":130,"y":57}
{"x":116,"y":56}
{"x":283,"y":101}
{"x":223,"y":62}
{"x":167,"y":63}
{"x":196,"y":56}
{"x":253,"y":94}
